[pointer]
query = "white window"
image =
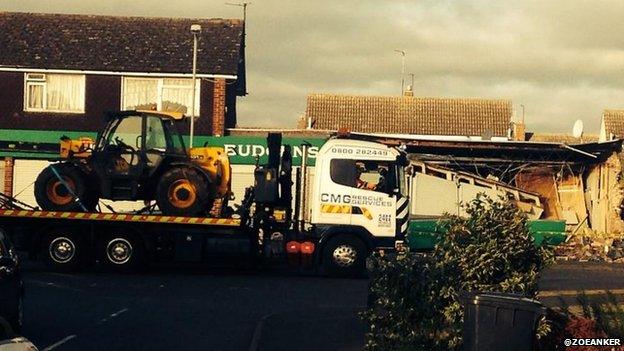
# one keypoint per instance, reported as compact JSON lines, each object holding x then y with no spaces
{"x":54,"y":92}
{"x":160,"y":94}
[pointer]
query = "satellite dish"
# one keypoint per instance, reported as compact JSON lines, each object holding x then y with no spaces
{"x":577,"y":130}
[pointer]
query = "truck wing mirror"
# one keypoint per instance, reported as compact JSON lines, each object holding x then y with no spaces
{"x":402,"y":160}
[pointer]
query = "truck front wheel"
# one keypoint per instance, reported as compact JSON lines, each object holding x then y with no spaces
{"x":344,"y":256}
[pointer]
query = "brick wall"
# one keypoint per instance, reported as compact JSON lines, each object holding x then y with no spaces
{"x":218,"y":107}
{"x":8,"y":176}
{"x":102,"y":93}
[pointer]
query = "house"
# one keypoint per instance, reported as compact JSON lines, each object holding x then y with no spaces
{"x":474,"y":118}
{"x":60,"y":73}
{"x":612,"y":125}
{"x":63,"y":72}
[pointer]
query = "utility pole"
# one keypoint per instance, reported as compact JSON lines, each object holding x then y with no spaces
{"x":243,"y":5}
{"x":195,"y":29}
{"x":402,"y":52}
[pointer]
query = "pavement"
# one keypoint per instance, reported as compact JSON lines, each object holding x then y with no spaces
{"x":217,"y":308}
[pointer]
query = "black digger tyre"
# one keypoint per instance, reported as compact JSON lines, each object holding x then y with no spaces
{"x":183,"y":191}
{"x":52,"y":195}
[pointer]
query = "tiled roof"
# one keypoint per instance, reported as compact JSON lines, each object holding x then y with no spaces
{"x":614,"y":123}
{"x":124,"y":44}
{"x":410,"y":115}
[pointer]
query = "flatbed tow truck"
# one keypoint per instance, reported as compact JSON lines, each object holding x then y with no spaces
{"x":332,"y":229}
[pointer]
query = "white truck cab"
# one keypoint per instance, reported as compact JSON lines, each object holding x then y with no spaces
{"x":359,"y":197}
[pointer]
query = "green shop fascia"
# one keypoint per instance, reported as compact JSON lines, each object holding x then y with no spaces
{"x":242,"y":150}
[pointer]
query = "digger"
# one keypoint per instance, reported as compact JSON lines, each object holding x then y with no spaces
{"x":139,"y":155}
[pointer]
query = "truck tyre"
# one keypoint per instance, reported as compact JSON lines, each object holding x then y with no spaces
{"x":122,"y":252}
{"x":344,"y":256}
{"x":64,"y":251}
{"x":183,"y":191}
{"x":52,"y":194}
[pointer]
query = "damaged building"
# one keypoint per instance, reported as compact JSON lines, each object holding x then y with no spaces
{"x":463,"y":146}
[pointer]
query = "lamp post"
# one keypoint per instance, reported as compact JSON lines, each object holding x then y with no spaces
{"x":402,"y":52}
{"x":195,"y":29}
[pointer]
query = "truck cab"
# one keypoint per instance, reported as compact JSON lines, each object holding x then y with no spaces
{"x":358,"y":201}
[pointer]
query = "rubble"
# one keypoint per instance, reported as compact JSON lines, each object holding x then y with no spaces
{"x":592,"y":247}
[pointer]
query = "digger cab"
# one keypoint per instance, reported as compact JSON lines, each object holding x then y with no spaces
{"x":131,"y":148}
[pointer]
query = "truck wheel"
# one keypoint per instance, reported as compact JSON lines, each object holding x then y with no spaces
{"x":122,"y":252}
{"x":183,"y":191}
{"x":344,"y":256}
{"x":64,"y":251}
{"x":53,"y":195}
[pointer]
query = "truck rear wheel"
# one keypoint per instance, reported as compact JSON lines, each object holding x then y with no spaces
{"x":122,"y":252}
{"x":54,"y":194}
{"x":183,"y":191}
{"x":64,"y":251}
{"x":344,"y":256}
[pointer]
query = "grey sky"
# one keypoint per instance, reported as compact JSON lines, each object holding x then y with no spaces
{"x":562,"y":59}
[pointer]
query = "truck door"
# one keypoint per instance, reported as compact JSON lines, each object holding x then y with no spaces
{"x":364,"y":192}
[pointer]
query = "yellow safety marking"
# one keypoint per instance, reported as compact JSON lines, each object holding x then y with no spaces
{"x":120,"y":218}
{"x":337,"y":209}
{"x":366,"y":213}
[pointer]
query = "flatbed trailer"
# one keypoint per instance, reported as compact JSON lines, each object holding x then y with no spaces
{"x":68,"y":241}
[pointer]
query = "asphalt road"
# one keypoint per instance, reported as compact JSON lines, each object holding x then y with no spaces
{"x":193,"y":308}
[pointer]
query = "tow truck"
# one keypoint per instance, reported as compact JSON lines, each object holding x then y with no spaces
{"x":330,"y":225}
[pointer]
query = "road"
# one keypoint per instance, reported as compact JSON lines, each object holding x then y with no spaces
{"x":199,"y":308}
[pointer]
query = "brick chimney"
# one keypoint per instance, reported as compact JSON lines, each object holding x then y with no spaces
{"x":518,"y":131}
{"x":218,"y":107}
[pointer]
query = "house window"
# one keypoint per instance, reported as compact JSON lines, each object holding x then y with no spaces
{"x":54,"y":93}
{"x":160,"y":94}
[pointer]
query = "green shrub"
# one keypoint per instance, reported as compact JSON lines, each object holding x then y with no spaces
{"x":415,"y":301}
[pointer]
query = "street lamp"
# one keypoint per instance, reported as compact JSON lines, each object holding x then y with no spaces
{"x":402,"y":52}
{"x":195,"y":29}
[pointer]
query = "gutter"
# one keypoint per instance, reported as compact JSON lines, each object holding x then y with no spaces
{"x":115,"y":73}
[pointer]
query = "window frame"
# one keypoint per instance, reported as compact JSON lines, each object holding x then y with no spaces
{"x":44,"y":101}
{"x":160,"y":85}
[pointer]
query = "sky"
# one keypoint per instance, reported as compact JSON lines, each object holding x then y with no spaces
{"x":562,"y":59}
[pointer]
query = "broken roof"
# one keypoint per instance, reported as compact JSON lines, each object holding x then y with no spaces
{"x":410,"y":115}
{"x":120,"y":44}
{"x":476,"y":152}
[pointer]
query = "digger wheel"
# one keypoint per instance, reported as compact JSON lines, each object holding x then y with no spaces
{"x":183,"y":191}
{"x":52,"y":194}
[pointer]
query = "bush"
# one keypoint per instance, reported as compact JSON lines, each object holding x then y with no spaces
{"x":415,"y":301}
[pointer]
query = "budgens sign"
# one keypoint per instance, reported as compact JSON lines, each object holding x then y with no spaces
{"x":245,"y":150}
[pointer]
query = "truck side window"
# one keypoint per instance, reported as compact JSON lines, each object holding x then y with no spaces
{"x":343,"y":172}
